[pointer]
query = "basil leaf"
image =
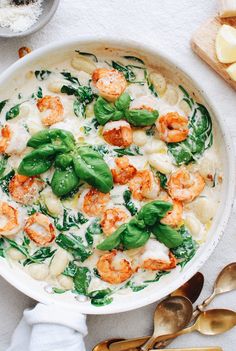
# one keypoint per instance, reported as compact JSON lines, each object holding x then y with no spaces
{"x":141,"y":118}
{"x":154,"y":211}
{"x":103,"y":111}
{"x":2,"y":105}
{"x":55,"y":136}
{"x":113,"y":240}
{"x":90,"y":167}
{"x":37,"y":161}
{"x":123,"y":102}
{"x":82,"y":280}
{"x":199,"y":139}
{"x":63,"y":161}
{"x":64,"y":181}
{"x":13,"y":112}
{"x":187,"y":249}
{"x":128,"y":203}
{"x":4,"y":181}
{"x":135,"y":235}
{"x":73,"y":244}
{"x":42,"y":75}
{"x":167,"y":235}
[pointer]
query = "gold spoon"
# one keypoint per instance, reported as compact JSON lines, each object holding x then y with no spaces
{"x":211,"y":322}
{"x":171,"y":315}
{"x":103,"y":346}
{"x":225,"y":282}
{"x":191,"y":289}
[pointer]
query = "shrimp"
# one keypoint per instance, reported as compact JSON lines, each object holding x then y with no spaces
{"x":114,"y":269}
{"x":95,"y":202}
{"x":53,"y":107}
{"x":160,"y":265}
{"x":5,"y":138}
{"x":9,"y":219}
{"x":39,"y":229}
{"x":25,"y":189}
{"x":112,"y":219}
{"x":172,"y":127}
{"x":124,"y":171}
{"x":109,"y":82}
{"x":185,"y":186}
{"x":173,"y":217}
{"x":118,"y":133}
{"x":144,"y":185}
{"x":13,"y":140}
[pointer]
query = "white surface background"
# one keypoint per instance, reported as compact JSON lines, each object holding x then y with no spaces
{"x":168,"y":24}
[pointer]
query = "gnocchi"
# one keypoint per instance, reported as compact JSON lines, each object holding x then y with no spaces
{"x":159,"y":82}
{"x":82,"y":63}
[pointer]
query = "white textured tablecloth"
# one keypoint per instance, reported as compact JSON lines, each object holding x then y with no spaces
{"x":168,"y":24}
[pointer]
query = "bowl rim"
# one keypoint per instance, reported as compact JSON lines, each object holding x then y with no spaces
{"x":149,"y":50}
{"x":44,"y":18}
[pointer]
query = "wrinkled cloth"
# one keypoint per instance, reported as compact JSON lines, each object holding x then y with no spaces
{"x":49,"y":327}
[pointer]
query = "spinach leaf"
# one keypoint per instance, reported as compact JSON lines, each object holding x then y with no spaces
{"x":2,"y":105}
{"x":130,"y":151}
{"x":102,"y":149}
{"x":157,"y":277}
{"x":141,"y":118}
{"x":40,"y":255}
{"x":13,"y":112}
{"x":114,"y":240}
{"x":82,"y":280}
{"x":93,"y":229}
{"x":69,"y":220}
{"x":42,"y":75}
{"x":2,"y":249}
{"x":187,"y":249}
{"x":94,"y":57}
{"x":3,"y":164}
{"x":134,"y":58}
{"x":167,"y":235}
{"x":90,"y":167}
{"x":151,"y":131}
{"x":134,"y":287}
{"x":39,"y":93}
{"x":79,"y":108}
{"x":101,"y":297}
{"x":74,"y":245}
{"x":126,"y":70}
{"x":199,"y":139}
{"x":20,"y":247}
{"x":129,"y":203}
{"x":70,"y":270}
{"x":70,"y":78}
{"x":163,"y":180}
{"x":187,"y":97}
{"x":150,"y":84}
{"x":58,"y":291}
{"x":64,"y":181}
{"x":68,"y":89}
{"x":4,"y":181}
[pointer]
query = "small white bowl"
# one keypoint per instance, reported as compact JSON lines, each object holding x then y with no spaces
{"x":49,"y":8}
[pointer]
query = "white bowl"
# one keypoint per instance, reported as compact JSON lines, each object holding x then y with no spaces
{"x":49,"y":9}
{"x":156,"y":291}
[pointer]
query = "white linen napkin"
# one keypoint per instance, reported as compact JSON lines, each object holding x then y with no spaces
{"x":49,"y":327}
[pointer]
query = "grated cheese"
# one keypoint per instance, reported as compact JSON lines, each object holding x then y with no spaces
{"x":19,"y":18}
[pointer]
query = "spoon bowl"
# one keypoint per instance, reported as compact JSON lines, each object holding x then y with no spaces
{"x":104,"y":345}
{"x":226,"y":280}
{"x":192,"y":288}
{"x":217,"y":321}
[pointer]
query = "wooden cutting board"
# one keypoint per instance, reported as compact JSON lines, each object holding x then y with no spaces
{"x":203,"y":43}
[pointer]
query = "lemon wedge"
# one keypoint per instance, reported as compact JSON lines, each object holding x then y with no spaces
{"x":232,"y":71}
{"x":226,"y":44}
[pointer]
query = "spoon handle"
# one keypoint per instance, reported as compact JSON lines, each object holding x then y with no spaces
{"x":174,"y":335}
{"x":148,"y":344}
{"x":210,"y":348}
